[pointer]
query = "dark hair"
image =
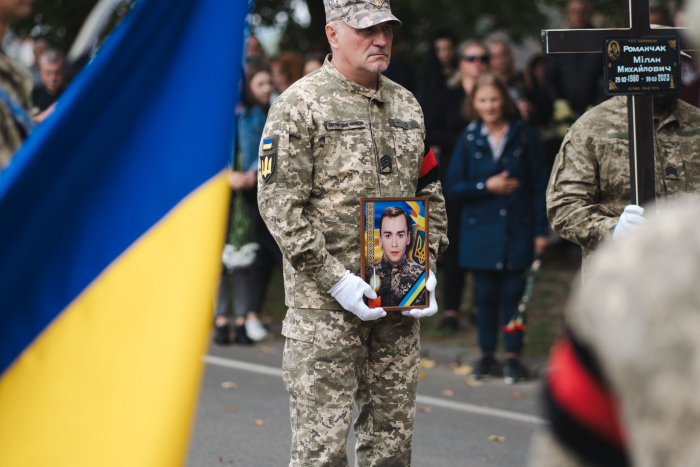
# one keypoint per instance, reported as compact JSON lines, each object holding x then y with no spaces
{"x":392,"y":212}
{"x":315,"y":55}
{"x":254,"y":66}
{"x":509,"y":110}
{"x":536,"y":60}
{"x":291,"y":65}
{"x":433,"y":80}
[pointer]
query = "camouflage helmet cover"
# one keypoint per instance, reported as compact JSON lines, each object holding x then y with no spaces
{"x":359,"y":14}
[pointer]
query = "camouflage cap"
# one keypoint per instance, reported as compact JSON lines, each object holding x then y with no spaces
{"x":359,"y":14}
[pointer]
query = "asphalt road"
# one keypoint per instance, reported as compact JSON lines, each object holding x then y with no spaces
{"x":247,"y":423}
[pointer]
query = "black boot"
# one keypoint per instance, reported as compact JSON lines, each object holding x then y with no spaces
{"x":222,"y":334}
{"x":241,"y":336}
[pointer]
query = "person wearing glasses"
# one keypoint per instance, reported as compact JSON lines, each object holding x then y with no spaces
{"x":499,"y":174}
{"x":445,"y":120}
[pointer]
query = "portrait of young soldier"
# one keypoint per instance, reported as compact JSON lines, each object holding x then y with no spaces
{"x":397,"y":274}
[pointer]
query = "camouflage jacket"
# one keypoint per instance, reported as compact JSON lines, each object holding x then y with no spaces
{"x":328,"y":142}
{"x":396,"y":281}
{"x":637,"y":341}
{"x":17,"y":83}
{"x":590,"y":182}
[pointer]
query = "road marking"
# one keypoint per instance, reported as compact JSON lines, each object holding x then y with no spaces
{"x":238,"y":365}
{"x":478,"y":409}
{"x":433,"y":401}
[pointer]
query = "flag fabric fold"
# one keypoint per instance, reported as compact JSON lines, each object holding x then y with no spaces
{"x":112,"y":220}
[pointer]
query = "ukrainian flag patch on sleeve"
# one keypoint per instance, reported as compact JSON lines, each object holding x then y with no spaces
{"x":268,"y":158}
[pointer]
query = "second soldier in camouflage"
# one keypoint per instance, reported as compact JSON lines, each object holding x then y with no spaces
{"x":590,"y":182}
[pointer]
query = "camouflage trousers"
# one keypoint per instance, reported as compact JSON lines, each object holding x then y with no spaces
{"x":332,"y":358}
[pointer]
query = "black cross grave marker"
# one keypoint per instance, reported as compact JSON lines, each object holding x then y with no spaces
{"x":639,"y":107}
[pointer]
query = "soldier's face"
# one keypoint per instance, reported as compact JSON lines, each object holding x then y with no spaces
{"x":394,"y":239}
{"x":368,"y":49}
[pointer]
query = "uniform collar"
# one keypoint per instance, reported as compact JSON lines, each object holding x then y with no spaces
{"x":673,"y":118}
{"x":351,"y":86}
{"x":387,"y":264}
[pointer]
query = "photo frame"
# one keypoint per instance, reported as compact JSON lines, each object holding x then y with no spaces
{"x":400,"y":249}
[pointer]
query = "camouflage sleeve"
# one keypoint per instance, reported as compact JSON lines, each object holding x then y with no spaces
{"x":429,"y":186}
{"x":284,"y":183}
{"x":573,"y":194}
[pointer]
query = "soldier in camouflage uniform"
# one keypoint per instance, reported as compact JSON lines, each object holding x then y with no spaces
{"x":15,"y":88}
{"x":623,"y":387}
{"x":590,"y":182}
{"x":341,"y":133}
{"x":396,"y":273}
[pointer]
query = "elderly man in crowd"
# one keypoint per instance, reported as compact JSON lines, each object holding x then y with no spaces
{"x":52,"y":80}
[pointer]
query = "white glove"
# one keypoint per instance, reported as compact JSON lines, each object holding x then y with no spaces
{"x":349,"y":292}
{"x":432,"y":308}
{"x":630,"y":220}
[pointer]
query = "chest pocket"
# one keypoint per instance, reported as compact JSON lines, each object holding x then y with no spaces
{"x":690,"y":151}
{"x":408,"y":141}
{"x":342,"y":158}
{"x":614,"y":170}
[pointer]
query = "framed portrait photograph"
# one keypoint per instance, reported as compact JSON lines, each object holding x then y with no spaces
{"x":394,"y":247}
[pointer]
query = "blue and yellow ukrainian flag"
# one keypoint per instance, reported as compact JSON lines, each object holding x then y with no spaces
{"x":112,"y":218}
{"x":419,"y":247}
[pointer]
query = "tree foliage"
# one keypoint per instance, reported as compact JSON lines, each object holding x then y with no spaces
{"x":422,"y":18}
{"x":59,"y":21}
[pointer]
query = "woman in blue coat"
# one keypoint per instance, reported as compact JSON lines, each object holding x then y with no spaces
{"x":498,"y":172}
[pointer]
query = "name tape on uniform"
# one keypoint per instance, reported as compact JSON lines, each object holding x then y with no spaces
{"x":351,"y":125}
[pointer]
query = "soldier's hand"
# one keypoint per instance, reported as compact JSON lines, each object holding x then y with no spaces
{"x":432,"y":308}
{"x":630,"y":220}
{"x":502,"y":185}
{"x":349,"y":292}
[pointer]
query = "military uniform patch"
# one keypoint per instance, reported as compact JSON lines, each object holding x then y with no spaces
{"x":268,"y":158}
{"x":349,"y":125}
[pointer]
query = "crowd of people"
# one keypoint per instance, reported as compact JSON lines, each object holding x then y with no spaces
{"x":494,"y":131}
{"x":478,"y":138}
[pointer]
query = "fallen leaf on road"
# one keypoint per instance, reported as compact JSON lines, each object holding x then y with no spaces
{"x":230,"y":409}
{"x":427,"y":363}
{"x":228,"y":385}
{"x":464,"y":370}
{"x":472,"y":383}
{"x":259,"y":422}
{"x":221,"y":460}
{"x":265,"y":349}
{"x":500,"y":439}
{"x":516,"y":395}
{"x":425,"y":409}
{"x":421,"y":375}
{"x":448,"y":393}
